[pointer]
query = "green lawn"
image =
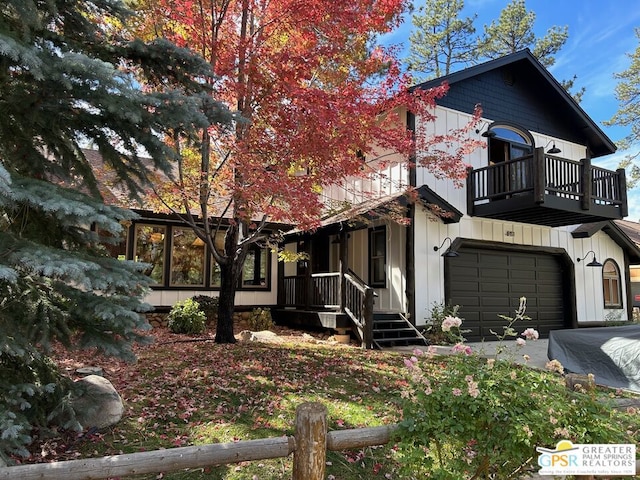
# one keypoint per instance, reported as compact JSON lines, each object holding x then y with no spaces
{"x":197,"y":392}
{"x":191,"y":393}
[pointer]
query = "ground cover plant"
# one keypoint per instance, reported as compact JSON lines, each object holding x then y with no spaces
{"x":185,"y":392}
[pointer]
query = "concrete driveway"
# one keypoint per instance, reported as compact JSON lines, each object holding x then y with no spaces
{"x":536,"y":350}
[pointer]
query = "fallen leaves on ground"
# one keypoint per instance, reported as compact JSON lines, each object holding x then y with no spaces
{"x":185,"y":391}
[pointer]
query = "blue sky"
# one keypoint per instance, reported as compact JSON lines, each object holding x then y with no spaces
{"x":601,"y":34}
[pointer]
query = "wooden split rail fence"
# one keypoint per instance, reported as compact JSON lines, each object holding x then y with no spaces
{"x":309,"y":446}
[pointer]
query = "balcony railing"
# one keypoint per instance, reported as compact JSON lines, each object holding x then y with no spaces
{"x":549,"y":181}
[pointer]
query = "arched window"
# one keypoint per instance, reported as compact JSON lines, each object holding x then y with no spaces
{"x":507,"y":142}
{"x":611,"y":285}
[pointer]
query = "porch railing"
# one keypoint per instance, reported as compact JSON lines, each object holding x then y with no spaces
{"x":542,"y":174}
{"x":318,"y":290}
{"x":327,"y":290}
{"x":359,"y":307}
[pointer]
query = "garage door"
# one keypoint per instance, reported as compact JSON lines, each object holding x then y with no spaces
{"x":487,"y":283}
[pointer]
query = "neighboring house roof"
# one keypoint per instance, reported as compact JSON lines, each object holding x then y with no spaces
{"x":622,"y":232}
{"x":632,"y":229}
{"x":518,"y":88}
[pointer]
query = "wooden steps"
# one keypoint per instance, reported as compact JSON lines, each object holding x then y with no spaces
{"x":394,"y":330}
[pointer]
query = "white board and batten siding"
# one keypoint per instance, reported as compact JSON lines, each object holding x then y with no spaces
{"x":392,"y":297}
{"x":430,"y":232}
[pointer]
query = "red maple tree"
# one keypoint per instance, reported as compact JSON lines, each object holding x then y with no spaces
{"x":313,"y":94}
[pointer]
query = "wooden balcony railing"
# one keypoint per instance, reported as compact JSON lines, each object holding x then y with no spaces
{"x":542,"y":175}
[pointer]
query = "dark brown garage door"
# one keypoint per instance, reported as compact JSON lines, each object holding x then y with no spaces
{"x":487,"y":283}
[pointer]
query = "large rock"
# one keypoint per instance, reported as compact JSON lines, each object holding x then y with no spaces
{"x":265,"y":336}
{"x":97,"y":403}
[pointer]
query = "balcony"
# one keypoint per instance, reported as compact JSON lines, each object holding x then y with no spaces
{"x":543,"y":189}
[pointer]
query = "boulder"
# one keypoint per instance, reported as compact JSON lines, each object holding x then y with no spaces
{"x":263,"y":336}
{"x":97,"y":403}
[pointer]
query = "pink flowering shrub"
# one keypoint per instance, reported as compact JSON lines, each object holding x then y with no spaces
{"x":444,"y":325}
{"x":469,"y":417}
{"x":465,"y":417}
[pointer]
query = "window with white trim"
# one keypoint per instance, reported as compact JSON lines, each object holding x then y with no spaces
{"x":611,"y":285}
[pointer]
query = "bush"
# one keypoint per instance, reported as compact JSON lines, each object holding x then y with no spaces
{"x":186,"y":317}
{"x":260,"y":320}
{"x":208,"y":305}
{"x":465,"y":416}
{"x":434,"y":332}
{"x":468,"y":417}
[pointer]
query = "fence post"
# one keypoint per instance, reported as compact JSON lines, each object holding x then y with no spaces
{"x":310,"y":456}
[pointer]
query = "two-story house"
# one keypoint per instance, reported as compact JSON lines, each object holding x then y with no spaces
{"x":535,"y":219}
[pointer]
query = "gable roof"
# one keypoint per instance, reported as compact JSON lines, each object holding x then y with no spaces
{"x":561,"y":116}
{"x":626,"y":234}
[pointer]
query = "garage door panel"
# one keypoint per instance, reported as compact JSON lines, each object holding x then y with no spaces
{"x":465,"y":270}
{"x":523,"y":289}
{"x":521,"y":262}
{"x":492,"y":282}
{"x":488,"y":302}
{"x":523,"y":274}
{"x":489,"y":273}
{"x":492,"y":259}
{"x":492,"y":287}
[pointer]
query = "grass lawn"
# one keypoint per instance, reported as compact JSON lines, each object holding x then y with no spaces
{"x":189,"y":393}
{"x":183,"y":392}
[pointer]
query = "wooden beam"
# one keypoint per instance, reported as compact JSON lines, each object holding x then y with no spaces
{"x":585,"y":183}
{"x":539,"y":175}
{"x":339,"y":440}
{"x":471,"y":191}
{"x":168,"y":460}
{"x":622,"y":185}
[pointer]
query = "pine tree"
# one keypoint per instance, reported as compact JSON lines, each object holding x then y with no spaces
{"x":513,"y":31}
{"x":67,"y":77}
{"x":441,"y":39}
{"x":628,"y":114}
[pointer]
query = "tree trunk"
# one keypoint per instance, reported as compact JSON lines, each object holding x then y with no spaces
{"x":226,"y":305}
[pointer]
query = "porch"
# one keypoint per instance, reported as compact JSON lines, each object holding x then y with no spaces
{"x":343,"y":301}
{"x":544,"y":189}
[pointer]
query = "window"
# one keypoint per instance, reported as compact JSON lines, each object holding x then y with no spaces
{"x":611,"y":285}
{"x":188,"y":262}
{"x":377,"y":257}
{"x":506,"y":145}
{"x":254,"y":270}
{"x":187,"y":258}
{"x":150,"y":248}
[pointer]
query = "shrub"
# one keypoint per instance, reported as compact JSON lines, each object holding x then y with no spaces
{"x":186,"y":317}
{"x":208,"y":305}
{"x":465,"y":416}
{"x":451,"y":333}
{"x":260,"y":319}
{"x":482,"y":418}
